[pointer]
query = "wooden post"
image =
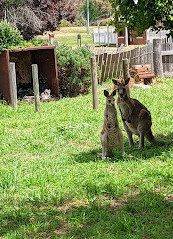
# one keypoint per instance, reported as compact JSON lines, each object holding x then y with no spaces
{"x":94,"y":82}
{"x":157,"y":57}
{"x":51,"y":38}
{"x":126,"y":74}
{"x":13,"y":85}
{"x":36,"y":87}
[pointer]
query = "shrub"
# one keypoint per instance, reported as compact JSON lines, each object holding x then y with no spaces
{"x":9,"y":36}
{"x":73,"y":70}
{"x":65,"y":23}
{"x":38,"y":41}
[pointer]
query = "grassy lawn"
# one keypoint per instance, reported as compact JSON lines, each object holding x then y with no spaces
{"x":53,"y":186}
{"x":68,"y":36}
{"x":72,"y":40}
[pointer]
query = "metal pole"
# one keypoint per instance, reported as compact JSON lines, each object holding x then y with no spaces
{"x":99,"y":33}
{"x":87,"y":20}
{"x":126,"y":36}
{"x":108,"y":34}
{"x":13,"y":85}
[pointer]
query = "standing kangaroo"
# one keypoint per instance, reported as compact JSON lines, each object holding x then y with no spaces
{"x":111,"y":135}
{"x":136,"y":118}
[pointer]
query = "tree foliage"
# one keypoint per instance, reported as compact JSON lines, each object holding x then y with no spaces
{"x":143,"y":14}
{"x":33,"y":17}
{"x":97,"y":9}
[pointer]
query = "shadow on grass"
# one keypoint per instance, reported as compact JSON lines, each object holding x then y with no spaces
{"x":161,"y":150}
{"x":139,"y":215}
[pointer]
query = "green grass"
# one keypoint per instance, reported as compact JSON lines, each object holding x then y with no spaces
{"x":72,"y":40}
{"x":68,"y":36}
{"x":53,"y":186}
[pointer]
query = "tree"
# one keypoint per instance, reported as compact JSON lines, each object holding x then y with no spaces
{"x":97,"y":9}
{"x":33,"y":17}
{"x":157,"y":14}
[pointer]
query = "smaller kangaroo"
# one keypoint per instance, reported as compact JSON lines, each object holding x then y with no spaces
{"x":111,"y":135}
{"x":136,"y":117}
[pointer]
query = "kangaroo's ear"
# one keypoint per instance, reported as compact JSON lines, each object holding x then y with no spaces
{"x":126,"y":81}
{"x":106,"y":93}
{"x":114,"y":92}
{"x":115,"y":82}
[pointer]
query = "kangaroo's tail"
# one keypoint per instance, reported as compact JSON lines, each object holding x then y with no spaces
{"x":150,"y":137}
{"x":98,"y":154}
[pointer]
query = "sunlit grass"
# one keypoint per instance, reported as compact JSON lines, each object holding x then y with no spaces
{"x":53,"y":186}
{"x":68,"y":36}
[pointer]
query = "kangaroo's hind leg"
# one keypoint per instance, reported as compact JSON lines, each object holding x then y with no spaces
{"x":141,"y":141}
{"x":144,"y":127}
{"x":104,"y":143}
{"x":129,"y":134}
{"x":122,"y":148}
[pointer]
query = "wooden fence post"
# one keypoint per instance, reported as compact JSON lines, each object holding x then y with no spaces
{"x":13,"y":85}
{"x":157,"y":57}
{"x":94,"y":82}
{"x":36,"y":87}
{"x":126,"y":74}
{"x":51,"y":38}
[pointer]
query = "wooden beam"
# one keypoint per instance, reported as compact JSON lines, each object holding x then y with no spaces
{"x":94,"y":83}
{"x":36,"y":87}
{"x":168,"y":74}
{"x":126,"y":74}
{"x":157,"y":57}
{"x":167,"y":53}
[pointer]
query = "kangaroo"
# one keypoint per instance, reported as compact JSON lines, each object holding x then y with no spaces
{"x":136,"y":117}
{"x":111,"y":135}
